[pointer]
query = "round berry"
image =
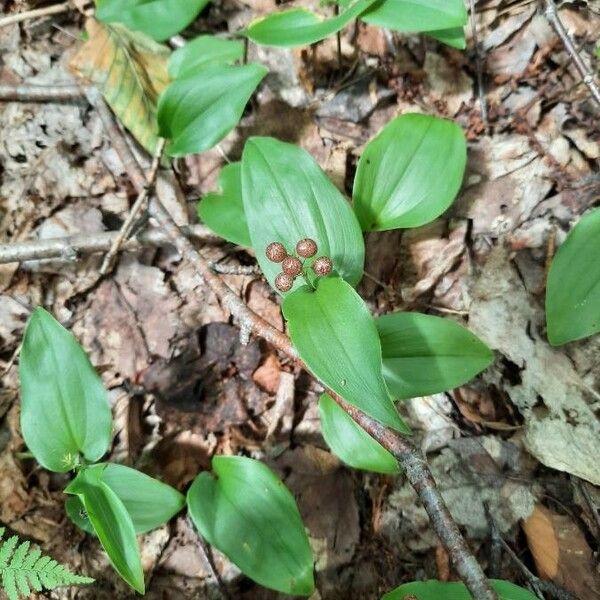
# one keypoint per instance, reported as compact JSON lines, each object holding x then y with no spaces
{"x":306,"y":248}
{"x":291,"y":266}
{"x":322,"y":266}
{"x":276,"y":252}
{"x":284,"y":282}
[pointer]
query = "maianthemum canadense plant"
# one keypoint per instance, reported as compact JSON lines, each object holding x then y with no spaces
{"x":300,"y":226}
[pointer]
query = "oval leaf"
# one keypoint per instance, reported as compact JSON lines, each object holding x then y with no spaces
{"x":410,"y":173}
{"x":287,"y":197}
{"x":434,"y":590}
{"x":160,"y":19}
{"x":130,"y":69}
{"x":573,"y":288}
{"x":351,"y":443}
{"x":197,"y":112}
{"x":76,"y":512}
{"x":224,"y":212}
{"x":300,"y":27}
{"x":112,"y":524}
{"x":336,"y":337}
{"x":248,"y":514}
{"x":202,"y":51}
{"x":455,"y":37}
{"x":64,"y":409}
{"x":424,"y":355}
{"x":415,"y":15}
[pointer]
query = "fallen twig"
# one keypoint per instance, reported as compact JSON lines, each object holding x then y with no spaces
{"x":71,"y":247}
{"x":127,"y":226}
{"x":46,"y":11}
{"x":410,"y":459}
{"x":478,"y":65}
{"x":588,"y":78}
{"x":41,"y":93}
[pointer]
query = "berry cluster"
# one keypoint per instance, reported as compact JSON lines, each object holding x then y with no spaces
{"x":292,"y":266}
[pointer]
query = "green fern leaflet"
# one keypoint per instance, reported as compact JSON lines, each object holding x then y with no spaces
{"x":22,"y":569}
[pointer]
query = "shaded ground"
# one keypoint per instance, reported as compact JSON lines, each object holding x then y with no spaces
{"x":523,"y":439}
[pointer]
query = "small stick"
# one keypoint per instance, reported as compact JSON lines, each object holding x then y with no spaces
{"x":235,"y":269}
{"x":70,"y":247}
{"x":478,"y":66}
{"x":339,"y":39}
{"x":588,"y":78}
{"x":41,"y":93}
{"x":135,"y":209}
{"x":210,"y":563}
{"x":53,"y":9}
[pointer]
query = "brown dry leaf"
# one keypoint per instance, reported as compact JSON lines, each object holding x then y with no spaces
{"x":267,"y":376}
{"x":561,"y":553}
{"x":130,"y":69}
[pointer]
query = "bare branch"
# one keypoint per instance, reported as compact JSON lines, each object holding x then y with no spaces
{"x":586,"y":74}
{"x":41,"y":93}
{"x":71,"y":247}
{"x":46,"y":11}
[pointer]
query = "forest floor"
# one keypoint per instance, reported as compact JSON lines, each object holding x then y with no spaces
{"x":523,"y":439}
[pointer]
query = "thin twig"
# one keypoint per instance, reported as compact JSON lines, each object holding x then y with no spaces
{"x":41,"y":93}
{"x":210,"y":563}
{"x":410,"y":459}
{"x":478,"y":65}
{"x":235,"y":269}
{"x":46,"y":11}
{"x":71,"y":247}
{"x":127,"y":226}
{"x":588,"y":78}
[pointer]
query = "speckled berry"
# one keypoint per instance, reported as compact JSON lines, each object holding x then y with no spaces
{"x":284,"y":282}
{"x":276,"y":252}
{"x":322,"y":266}
{"x":306,"y":248}
{"x":291,"y":266}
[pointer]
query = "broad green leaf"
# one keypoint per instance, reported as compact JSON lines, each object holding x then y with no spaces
{"x":224,"y":212}
{"x":112,"y":524}
{"x":573,"y":288}
{"x":246,"y":512}
{"x":335,"y":334}
{"x":351,"y":443}
{"x":287,"y":197}
{"x":300,"y":27}
{"x":455,"y":37}
{"x":130,"y":69}
{"x":64,"y":408}
{"x":415,"y":15}
{"x":197,"y":112}
{"x":149,"y":502}
{"x":160,"y":19}
{"x":436,"y":590}
{"x":424,"y":355}
{"x":76,"y":512}
{"x":410,"y":173}
{"x":202,"y":51}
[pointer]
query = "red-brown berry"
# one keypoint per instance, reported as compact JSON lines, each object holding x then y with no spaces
{"x":291,"y":266}
{"x":322,"y":266}
{"x":276,"y":252}
{"x":284,"y":282}
{"x":306,"y":248}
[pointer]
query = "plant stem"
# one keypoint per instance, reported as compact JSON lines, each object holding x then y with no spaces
{"x":46,"y":11}
{"x":414,"y":465}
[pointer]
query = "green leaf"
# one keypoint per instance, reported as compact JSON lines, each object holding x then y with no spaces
{"x":434,"y":590}
{"x":224,"y":212}
{"x":424,"y":355}
{"x":130,"y":69}
{"x":149,"y":502}
{"x":287,"y":197}
{"x":112,"y":524}
{"x":415,"y":15}
{"x":455,"y":37}
{"x":76,"y":512}
{"x":300,"y":27}
{"x":160,"y":19}
{"x":335,"y":334}
{"x":202,"y":51}
{"x":246,"y":512}
{"x":410,"y":173}
{"x":64,"y":409}
{"x":351,"y":443}
{"x":197,"y":112}
{"x":573,"y":287}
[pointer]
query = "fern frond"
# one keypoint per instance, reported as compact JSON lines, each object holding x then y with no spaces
{"x":22,"y":569}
